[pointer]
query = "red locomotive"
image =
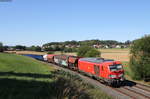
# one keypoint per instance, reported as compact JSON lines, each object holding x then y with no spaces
{"x":109,"y":71}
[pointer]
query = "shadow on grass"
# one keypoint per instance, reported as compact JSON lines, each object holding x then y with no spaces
{"x":33,"y":75}
{"x":59,"y":88}
{"x":21,"y":89}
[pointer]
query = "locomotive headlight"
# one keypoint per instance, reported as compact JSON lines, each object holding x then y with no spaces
{"x":120,"y":75}
{"x":112,"y":76}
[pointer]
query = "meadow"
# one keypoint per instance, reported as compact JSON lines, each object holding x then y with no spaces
{"x":26,"y":78}
{"x":116,"y":54}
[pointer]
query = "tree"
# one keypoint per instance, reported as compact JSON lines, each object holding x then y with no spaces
{"x":5,"y":48}
{"x":35,"y":48}
{"x":127,"y":42}
{"x":93,"y":53}
{"x":83,"y":50}
{"x":38,"y":48}
{"x":86,"y":51}
{"x":31,"y":48}
{"x":20,"y":47}
{"x":1,"y":47}
{"x":140,"y":58}
{"x":48,"y":49}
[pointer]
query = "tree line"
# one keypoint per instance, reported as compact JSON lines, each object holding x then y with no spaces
{"x":66,"y":46}
{"x":89,"y":42}
{"x":19,"y":48}
{"x":72,"y":46}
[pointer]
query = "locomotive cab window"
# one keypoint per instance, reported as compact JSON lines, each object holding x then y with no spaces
{"x":115,"y":67}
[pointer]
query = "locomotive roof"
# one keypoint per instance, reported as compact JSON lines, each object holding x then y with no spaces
{"x":96,"y":60}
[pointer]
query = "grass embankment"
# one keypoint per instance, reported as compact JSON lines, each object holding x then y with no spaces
{"x":25,"y":78}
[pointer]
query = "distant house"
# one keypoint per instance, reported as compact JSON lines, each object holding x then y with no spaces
{"x":66,"y":46}
{"x":95,"y":46}
{"x":124,"y":46}
{"x":106,"y":46}
{"x":10,"y":49}
{"x":113,"y":46}
{"x":118,"y":46}
{"x":98,"y":46}
{"x":78,"y":46}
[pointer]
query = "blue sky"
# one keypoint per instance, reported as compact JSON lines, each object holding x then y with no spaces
{"x":35,"y":22}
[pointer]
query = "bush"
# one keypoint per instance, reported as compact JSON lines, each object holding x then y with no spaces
{"x":50,"y":52}
{"x":70,"y":50}
{"x":140,"y":58}
{"x":86,"y":51}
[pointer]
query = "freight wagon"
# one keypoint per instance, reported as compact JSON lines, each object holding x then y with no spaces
{"x":61,"y":60}
{"x":50,"y":58}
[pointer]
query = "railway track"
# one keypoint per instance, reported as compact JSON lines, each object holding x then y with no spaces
{"x":130,"y":90}
{"x":134,"y":92}
{"x":141,"y":90}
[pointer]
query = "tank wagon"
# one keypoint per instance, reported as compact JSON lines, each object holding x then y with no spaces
{"x":109,"y":71}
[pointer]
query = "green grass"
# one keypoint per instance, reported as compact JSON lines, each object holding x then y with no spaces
{"x":21,"y":67}
{"x":25,"y":78}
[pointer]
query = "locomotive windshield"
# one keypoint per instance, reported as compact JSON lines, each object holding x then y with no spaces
{"x":115,"y":67}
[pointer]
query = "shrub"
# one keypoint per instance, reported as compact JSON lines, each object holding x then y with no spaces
{"x":50,"y":52}
{"x":86,"y":51}
{"x":140,"y":58}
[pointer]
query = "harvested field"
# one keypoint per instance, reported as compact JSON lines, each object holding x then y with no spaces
{"x":116,"y":54}
{"x":26,"y":52}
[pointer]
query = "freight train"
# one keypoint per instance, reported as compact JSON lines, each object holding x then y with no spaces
{"x":108,"y":71}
